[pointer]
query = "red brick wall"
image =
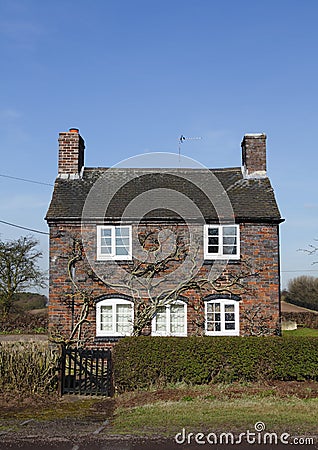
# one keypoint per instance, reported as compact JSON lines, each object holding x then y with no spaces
{"x":259,"y":246}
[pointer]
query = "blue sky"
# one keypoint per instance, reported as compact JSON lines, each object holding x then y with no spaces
{"x":134,"y":75}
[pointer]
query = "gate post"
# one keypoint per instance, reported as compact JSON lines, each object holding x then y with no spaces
{"x":110,"y":377}
{"x":61,"y":371}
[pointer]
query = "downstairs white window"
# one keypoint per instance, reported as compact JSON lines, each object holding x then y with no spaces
{"x":170,"y":320}
{"x":114,"y":317}
{"x":222,"y":317}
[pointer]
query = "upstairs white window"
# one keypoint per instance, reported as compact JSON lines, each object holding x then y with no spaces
{"x":222,"y":317}
{"x":170,"y":320}
{"x":221,"y":242}
{"x":114,"y":317}
{"x":114,"y":242}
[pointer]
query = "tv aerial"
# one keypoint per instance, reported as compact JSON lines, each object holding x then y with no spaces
{"x":182,"y":139}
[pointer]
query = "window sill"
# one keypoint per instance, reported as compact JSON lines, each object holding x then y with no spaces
{"x":222,"y":257}
{"x":168,"y":335}
{"x":227,"y":260}
{"x":222,"y":334}
{"x":106,"y":339}
{"x":114,"y":258}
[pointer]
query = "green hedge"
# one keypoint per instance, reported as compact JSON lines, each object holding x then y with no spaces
{"x":306,"y":319}
{"x":143,"y":362}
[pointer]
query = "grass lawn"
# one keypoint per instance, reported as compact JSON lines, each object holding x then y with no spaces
{"x":167,"y":418}
{"x":220,"y":408}
{"x":301,"y":332}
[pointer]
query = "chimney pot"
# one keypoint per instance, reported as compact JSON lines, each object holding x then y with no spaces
{"x":74,"y":130}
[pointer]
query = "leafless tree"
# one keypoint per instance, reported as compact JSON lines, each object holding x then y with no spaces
{"x":18,"y":270}
{"x":303,"y":291}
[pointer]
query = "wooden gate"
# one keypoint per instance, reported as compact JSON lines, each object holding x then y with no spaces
{"x":86,"y":371}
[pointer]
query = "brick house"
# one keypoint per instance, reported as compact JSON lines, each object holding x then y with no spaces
{"x":171,"y":226}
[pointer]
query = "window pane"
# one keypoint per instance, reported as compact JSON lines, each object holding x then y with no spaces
{"x":230,"y":326}
{"x":106,"y":232}
{"x":122,"y":241}
{"x":217,"y":326}
{"x":229,"y":308}
{"x":217,"y":307}
{"x":122,"y":231}
{"x":106,"y":241}
{"x":213,"y":231}
{"x":161,"y":319}
{"x":105,"y":250}
{"x":229,"y":231}
{"x":210,"y":326}
{"x":227,"y":250}
{"x":124,"y":319}
{"x":213,"y":249}
{"x":229,"y":240}
{"x":121,"y":251}
{"x":106,"y":318}
{"x":177,"y":318}
{"x":229,"y":317}
{"x":213,"y":240}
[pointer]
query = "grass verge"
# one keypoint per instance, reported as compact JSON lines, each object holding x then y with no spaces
{"x":206,"y":410}
{"x":301,"y":332}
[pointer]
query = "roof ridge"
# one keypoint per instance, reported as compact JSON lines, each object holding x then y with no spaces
{"x":179,"y":169}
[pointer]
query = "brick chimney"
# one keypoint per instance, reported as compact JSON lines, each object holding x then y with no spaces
{"x":254,"y":155}
{"x":71,"y":154}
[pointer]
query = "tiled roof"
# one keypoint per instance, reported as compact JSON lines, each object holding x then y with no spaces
{"x":164,"y":194}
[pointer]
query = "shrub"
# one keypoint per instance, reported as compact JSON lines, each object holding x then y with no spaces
{"x":143,"y":362}
{"x":305,"y":319}
{"x":24,"y":323}
{"x":28,"y":368}
{"x":303,"y":291}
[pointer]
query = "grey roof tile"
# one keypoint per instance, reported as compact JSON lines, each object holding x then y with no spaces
{"x":163,"y":194}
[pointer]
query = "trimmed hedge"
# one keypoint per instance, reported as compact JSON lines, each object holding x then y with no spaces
{"x":24,"y":323}
{"x":143,"y":362}
{"x":306,"y":319}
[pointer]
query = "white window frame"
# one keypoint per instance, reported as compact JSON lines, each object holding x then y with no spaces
{"x":113,"y":302}
{"x":167,"y":332}
{"x":223,"y":331}
{"x":220,"y":254}
{"x":113,"y":256}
